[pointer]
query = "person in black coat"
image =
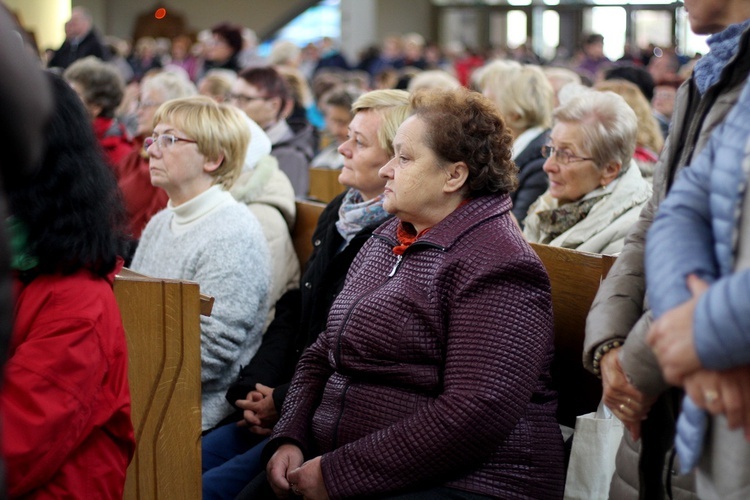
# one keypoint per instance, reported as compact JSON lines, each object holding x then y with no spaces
{"x":525,"y":97}
{"x":231,"y":452}
{"x":81,"y":40}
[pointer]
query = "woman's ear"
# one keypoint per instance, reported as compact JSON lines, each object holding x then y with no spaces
{"x":610,"y":171}
{"x":457,"y":173}
{"x":212,"y":165}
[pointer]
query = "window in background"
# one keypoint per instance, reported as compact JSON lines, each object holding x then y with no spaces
{"x":516,"y":28}
{"x":315,"y":23}
{"x":609,"y":22}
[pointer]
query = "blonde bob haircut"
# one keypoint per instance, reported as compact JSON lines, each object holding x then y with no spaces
{"x":524,"y":97}
{"x":607,"y":123}
{"x":393,"y":107}
{"x":218,"y":129}
{"x":491,"y":72}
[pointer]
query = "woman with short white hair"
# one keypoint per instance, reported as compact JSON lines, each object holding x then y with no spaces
{"x":596,"y":190}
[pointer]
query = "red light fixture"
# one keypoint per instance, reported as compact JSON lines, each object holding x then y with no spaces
{"x":160,"y":13}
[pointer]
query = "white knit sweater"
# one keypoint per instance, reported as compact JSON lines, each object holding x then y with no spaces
{"x":218,"y":243}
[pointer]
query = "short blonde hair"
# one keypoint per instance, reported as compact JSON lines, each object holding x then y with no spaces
{"x":649,"y":134}
{"x":284,"y":53}
{"x":218,"y":82}
{"x":524,"y":97}
{"x":492,"y":71}
{"x":433,"y":79}
{"x":608,"y":124}
{"x":218,"y":129}
{"x":393,"y":106}
{"x":169,"y":85}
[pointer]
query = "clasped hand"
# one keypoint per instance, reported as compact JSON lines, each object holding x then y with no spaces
{"x":289,"y":474}
{"x":672,"y":339}
{"x":629,"y":404}
{"x":259,"y":411}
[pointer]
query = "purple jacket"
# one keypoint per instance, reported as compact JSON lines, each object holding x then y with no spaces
{"x":434,"y":368}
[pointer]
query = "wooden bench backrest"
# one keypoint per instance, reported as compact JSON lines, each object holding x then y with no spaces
{"x":162,"y":326}
{"x":324,"y":184}
{"x":308,"y":213}
{"x":575,"y":278}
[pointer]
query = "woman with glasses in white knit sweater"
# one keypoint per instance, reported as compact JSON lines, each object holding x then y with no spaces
{"x":204,"y":235}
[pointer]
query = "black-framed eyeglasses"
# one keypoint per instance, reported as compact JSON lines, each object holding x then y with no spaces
{"x":562,"y":155}
{"x":244,"y":99}
{"x":164,"y":141}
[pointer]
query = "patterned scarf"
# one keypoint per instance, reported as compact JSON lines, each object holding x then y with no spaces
{"x":556,"y":221}
{"x":723,"y":46}
{"x":356,"y":214}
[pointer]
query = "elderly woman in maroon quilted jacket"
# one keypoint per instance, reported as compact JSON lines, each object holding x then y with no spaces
{"x":431,"y":379}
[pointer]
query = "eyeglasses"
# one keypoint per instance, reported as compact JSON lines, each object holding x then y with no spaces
{"x":164,"y":141}
{"x":562,"y":155}
{"x":244,"y":99}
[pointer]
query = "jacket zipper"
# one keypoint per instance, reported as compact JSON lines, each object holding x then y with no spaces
{"x":337,"y":355}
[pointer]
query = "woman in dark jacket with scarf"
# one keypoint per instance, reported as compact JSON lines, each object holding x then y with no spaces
{"x":229,"y":460}
{"x":432,"y":376}
{"x":524,"y":96}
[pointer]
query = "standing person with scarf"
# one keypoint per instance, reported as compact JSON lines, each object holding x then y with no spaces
{"x":596,"y":190}
{"x":615,"y":346}
{"x":231,"y":453}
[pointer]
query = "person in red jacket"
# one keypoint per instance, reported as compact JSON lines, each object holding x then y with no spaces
{"x":66,"y":426}
{"x":100,"y":87}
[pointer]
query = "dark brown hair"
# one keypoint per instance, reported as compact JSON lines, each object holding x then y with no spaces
{"x":463,"y":125}
{"x":269,"y":82}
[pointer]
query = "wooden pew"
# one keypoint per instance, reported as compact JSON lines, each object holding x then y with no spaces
{"x":304,"y":227}
{"x":324,"y":184}
{"x":162,"y":324}
{"x":575,"y":277}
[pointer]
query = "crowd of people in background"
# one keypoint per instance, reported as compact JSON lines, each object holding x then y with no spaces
{"x":411,"y":355}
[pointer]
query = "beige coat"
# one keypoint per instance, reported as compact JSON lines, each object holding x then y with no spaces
{"x":604,"y":228}
{"x":266,"y":190}
{"x":619,"y":311}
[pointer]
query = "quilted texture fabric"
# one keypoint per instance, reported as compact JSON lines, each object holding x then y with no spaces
{"x":434,"y":368}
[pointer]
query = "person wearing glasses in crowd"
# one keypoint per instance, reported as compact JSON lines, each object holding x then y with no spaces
{"x":204,"y":235}
{"x":264,"y":95}
{"x":101,"y":88}
{"x":142,"y":199}
{"x":596,"y":190}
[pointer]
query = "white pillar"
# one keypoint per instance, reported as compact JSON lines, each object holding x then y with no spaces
{"x":358,"y":27}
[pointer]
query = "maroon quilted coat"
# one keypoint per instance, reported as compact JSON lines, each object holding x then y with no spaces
{"x":434,"y":369}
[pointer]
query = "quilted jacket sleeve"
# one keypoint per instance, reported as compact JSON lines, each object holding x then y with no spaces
{"x":485,"y":393}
